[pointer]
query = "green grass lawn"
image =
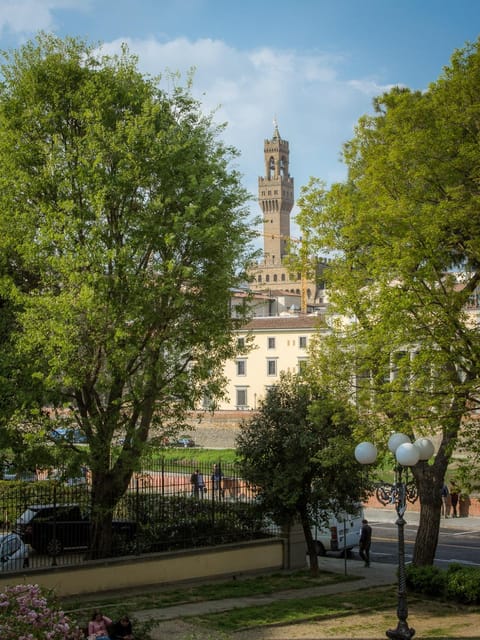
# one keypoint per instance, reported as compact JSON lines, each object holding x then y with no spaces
{"x":194,"y":455}
{"x":304,"y":609}
{"x":113,"y":605}
{"x":345,"y":608}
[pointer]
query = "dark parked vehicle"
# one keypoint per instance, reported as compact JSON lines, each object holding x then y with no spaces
{"x":75,"y":436}
{"x":10,"y":473}
{"x":49,"y":528}
{"x":184,"y":441}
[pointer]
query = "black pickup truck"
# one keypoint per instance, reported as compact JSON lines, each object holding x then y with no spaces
{"x":50,"y":528}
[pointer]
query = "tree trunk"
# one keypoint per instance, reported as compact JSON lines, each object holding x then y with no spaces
{"x":427,"y":535}
{"x":311,"y":546}
{"x":429,"y":480}
{"x":107,"y":489}
{"x":109,"y":483}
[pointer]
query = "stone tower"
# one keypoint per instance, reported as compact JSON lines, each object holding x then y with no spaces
{"x":275,"y":196}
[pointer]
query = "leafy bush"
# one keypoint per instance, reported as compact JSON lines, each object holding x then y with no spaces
{"x":429,"y":580}
{"x":457,"y":584}
{"x":182,"y":522}
{"x":463,"y":584}
{"x":29,"y":612}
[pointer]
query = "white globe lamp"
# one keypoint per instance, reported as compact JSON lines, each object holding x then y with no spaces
{"x":426,"y":448}
{"x":407,"y":454}
{"x":395,"y":440}
{"x":366,"y":453}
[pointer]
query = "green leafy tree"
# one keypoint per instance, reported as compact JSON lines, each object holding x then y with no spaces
{"x":297,"y":451}
{"x":123,"y":228}
{"x":404,"y":232}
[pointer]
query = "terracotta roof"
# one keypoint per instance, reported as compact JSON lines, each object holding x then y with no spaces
{"x":284,"y":322}
{"x":252,"y":294}
{"x":265,"y":293}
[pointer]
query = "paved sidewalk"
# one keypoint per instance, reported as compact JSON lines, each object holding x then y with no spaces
{"x":388,"y":514}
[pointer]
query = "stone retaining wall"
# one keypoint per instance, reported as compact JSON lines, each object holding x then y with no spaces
{"x":217,"y":431}
{"x":256,"y":556}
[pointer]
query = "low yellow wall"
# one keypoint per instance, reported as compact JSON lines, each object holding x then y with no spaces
{"x":264,"y":555}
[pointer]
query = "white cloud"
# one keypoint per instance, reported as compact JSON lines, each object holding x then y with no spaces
{"x":30,"y":16}
{"x":315,"y":107}
{"x":370,"y":87}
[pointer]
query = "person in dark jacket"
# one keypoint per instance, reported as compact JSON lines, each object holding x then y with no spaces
{"x":445,"y":493}
{"x":122,"y":629}
{"x":365,"y":542}
{"x":454,"y":494}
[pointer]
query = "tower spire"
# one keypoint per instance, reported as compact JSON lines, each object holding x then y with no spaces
{"x":276,"y":132}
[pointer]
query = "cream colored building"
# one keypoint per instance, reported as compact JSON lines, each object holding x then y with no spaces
{"x":278,"y":344}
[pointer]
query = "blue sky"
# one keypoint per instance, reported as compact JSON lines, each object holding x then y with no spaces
{"x":314,"y":64}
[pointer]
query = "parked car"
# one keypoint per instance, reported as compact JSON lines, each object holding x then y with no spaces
{"x":75,"y":436}
{"x":50,"y":528}
{"x":10,"y":473}
{"x":184,"y":441}
{"x":13,"y":552}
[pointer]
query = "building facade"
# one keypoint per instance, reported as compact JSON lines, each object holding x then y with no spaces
{"x":272,"y":345}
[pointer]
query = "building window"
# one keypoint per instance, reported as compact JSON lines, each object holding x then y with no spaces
{"x":274,"y":277}
{"x":272,"y":367}
{"x":241,"y":343}
{"x":302,"y":365}
{"x":207,"y":402}
{"x":267,"y":278}
{"x":283,"y":277}
{"x":241,"y":399}
{"x":241,"y":367}
{"x":302,"y":342}
{"x":259,"y":279}
{"x":271,"y":343}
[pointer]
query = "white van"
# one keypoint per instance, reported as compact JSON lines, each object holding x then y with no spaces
{"x":340,"y":535}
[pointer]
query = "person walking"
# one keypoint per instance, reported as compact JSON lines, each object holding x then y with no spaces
{"x":217,"y":476}
{"x":365,"y":542}
{"x":454,"y":498}
{"x":200,"y":484}
{"x":194,"y":483}
{"x":445,"y":493}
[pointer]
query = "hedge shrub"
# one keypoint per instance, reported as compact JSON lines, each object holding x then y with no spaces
{"x":458,"y":583}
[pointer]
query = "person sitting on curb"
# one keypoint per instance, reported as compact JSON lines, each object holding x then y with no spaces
{"x":98,"y":626}
{"x":122,"y":629}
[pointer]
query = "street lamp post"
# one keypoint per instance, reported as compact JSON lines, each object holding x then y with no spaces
{"x":406,"y":454}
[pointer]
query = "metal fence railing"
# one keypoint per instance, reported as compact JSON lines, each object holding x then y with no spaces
{"x":168,"y":505}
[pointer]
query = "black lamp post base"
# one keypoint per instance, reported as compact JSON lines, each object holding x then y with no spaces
{"x":402,"y":632}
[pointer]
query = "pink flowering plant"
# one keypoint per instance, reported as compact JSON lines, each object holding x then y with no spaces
{"x":28,"y":612}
